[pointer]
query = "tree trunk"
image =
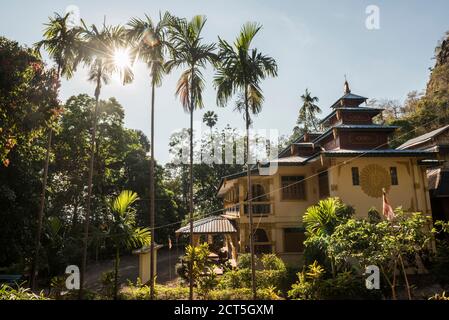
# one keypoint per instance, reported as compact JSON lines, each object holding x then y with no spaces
{"x":34,"y":266}
{"x":75,"y":216}
{"x":152,"y":197}
{"x":89,"y":184}
{"x":191,"y":190}
{"x":393,"y":285}
{"x":249,"y":201}
{"x":405,"y":278}
{"x":117,"y":262}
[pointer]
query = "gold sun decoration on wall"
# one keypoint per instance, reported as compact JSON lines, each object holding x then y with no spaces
{"x":373,"y":178}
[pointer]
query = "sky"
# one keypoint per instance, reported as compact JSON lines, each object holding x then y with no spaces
{"x":315,"y":44}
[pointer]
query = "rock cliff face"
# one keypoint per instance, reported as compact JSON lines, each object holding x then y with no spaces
{"x":439,"y":78}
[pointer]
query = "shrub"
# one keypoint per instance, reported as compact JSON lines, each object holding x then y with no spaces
{"x":182,"y":270}
{"x":438,"y":296}
{"x":273,"y":274}
{"x":235,"y":279}
{"x":107,"y":281}
{"x":270,"y":278}
{"x":201,"y":263}
{"x":243,"y":294}
{"x":312,"y":285}
{"x":345,"y":286}
{"x":272,"y":262}
{"x":207,"y":282}
{"x":307,"y":287}
{"x":440,"y":263}
{"x":19,"y":293}
{"x":374,"y":216}
{"x":244,"y":261}
{"x":161,"y":293}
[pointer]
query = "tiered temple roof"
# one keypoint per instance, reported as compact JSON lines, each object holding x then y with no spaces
{"x":348,"y":129}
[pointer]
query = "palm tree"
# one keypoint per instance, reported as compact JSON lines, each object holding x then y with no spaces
{"x":122,"y":230}
{"x":308,"y":111}
{"x":149,"y":46}
{"x":240,"y":71}
{"x":61,"y":42}
{"x":187,"y":50}
{"x":321,"y":220}
{"x":99,"y":53}
{"x":210,"y":119}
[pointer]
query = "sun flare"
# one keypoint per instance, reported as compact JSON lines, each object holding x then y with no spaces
{"x":122,"y":59}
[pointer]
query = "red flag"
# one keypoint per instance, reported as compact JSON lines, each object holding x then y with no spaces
{"x":387,"y":209}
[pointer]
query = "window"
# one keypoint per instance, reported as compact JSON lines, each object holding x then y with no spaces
{"x":294,"y":239}
{"x":258,"y":193}
{"x":355,"y":176}
{"x":260,"y":236}
{"x":323,"y":184}
{"x":293,"y":188}
{"x":261,"y":242}
{"x":394,"y":176}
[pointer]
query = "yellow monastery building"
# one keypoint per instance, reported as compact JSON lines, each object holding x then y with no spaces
{"x":350,"y":159}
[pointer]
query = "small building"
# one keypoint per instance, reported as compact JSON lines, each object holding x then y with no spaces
{"x":214,"y":226}
{"x":145,"y":262}
{"x":438,"y":173}
{"x":350,"y":159}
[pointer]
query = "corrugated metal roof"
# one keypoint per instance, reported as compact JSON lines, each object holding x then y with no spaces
{"x":423,"y":138}
{"x":349,"y":96}
{"x":291,"y":159}
{"x":215,"y":224}
{"x":365,"y":126}
{"x":352,"y":109}
{"x":379,"y":152}
{"x":438,"y":182}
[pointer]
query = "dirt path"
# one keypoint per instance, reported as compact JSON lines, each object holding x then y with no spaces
{"x":129,"y":269}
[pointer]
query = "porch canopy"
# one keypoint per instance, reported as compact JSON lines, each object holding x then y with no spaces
{"x":216,"y":225}
{"x":209,"y":225}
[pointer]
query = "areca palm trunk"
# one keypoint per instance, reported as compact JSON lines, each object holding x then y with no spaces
{"x":249,"y":202}
{"x":152,"y":196}
{"x":191,"y":189}
{"x":40,"y":217}
{"x":34,"y":265}
{"x":89,"y":183}
{"x":117,"y":261}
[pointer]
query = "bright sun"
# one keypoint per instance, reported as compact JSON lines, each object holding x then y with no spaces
{"x":122,"y":59}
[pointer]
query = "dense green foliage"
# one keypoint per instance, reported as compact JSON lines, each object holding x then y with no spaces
{"x":270,"y":274}
{"x":28,"y":98}
{"x":18,"y":293}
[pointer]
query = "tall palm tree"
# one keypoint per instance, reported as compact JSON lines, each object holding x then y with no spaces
{"x":210,"y":119}
{"x":188,"y":50}
{"x":122,"y":230}
{"x":149,"y":46}
{"x":61,"y":42}
{"x":240,"y":71}
{"x":99,"y":52}
{"x":308,"y":112}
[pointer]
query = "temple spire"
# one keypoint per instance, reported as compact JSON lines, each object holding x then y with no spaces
{"x":346,"y":89}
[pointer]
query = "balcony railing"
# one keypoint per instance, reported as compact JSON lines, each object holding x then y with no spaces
{"x":264,"y":208}
{"x":233,"y":210}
